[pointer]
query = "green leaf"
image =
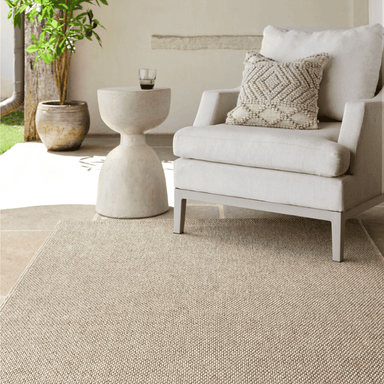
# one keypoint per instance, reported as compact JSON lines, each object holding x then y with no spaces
{"x":10,"y":4}
{"x":32,"y":48}
{"x":55,"y":24}
{"x":98,"y":23}
{"x":54,"y":40}
{"x":45,"y":58}
{"x":34,"y":38}
{"x":17,"y":20}
{"x":50,"y":12}
{"x":98,"y":38}
{"x":30,"y":17}
{"x":59,"y":51}
{"x":23,"y":8}
{"x":62,"y":6}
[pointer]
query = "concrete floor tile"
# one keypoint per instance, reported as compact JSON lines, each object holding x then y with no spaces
{"x":17,"y":250}
{"x":110,"y":140}
{"x":54,"y":178}
{"x":103,"y":144}
{"x":376,"y":232}
{"x":373,"y":215}
{"x":159,"y":140}
{"x":43,"y":217}
{"x":373,"y":221}
{"x":165,"y":154}
{"x":46,"y":178}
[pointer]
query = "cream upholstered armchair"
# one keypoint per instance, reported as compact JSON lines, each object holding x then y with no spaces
{"x":234,"y":154}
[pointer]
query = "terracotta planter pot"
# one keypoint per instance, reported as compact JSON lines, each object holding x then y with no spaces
{"x":62,"y":127}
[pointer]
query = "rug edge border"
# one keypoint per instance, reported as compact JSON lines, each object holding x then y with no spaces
{"x":28,"y":267}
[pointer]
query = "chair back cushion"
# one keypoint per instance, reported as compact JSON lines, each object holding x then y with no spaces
{"x":352,"y":72}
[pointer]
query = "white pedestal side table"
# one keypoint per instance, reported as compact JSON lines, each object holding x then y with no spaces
{"x":132,"y":181}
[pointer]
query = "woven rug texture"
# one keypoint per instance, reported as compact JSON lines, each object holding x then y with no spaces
{"x":230,"y":301}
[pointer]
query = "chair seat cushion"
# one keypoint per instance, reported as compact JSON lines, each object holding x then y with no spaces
{"x":306,"y":151}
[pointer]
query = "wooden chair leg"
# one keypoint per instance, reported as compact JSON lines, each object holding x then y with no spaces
{"x":179,"y":213}
{"x":338,"y":231}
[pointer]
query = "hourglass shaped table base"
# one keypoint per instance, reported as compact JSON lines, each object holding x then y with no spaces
{"x":132,"y":181}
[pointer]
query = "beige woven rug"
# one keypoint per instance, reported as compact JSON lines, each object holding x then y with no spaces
{"x":230,"y":301}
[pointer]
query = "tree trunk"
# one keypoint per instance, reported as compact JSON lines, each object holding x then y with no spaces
{"x":39,"y":83}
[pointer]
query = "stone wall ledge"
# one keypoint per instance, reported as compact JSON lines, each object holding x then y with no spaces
{"x":238,"y":42}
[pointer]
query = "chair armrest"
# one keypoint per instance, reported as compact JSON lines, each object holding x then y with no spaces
{"x":362,"y":133}
{"x":215,"y":105}
{"x":362,"y":129}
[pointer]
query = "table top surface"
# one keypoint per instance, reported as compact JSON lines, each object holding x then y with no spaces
{"x":133,"y":89}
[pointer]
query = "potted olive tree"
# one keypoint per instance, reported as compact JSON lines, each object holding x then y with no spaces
{"x":61,"y":124}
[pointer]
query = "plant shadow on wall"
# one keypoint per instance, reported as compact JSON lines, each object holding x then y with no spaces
{"x":61,"y":124}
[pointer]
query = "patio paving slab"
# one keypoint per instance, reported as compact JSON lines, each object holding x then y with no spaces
{"x":33,"y":176}
{"x":17,"y":249}
{"x":43,"y":217}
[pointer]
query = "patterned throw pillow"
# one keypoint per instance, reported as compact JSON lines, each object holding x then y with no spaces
{"x":279,"y":95}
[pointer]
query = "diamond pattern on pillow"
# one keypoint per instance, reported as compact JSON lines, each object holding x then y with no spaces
{"x":279,"y":95}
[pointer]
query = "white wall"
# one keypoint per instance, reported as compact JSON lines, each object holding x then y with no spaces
{"x":6,"y":52}
{"x":376,"y":12}
{"x":127,"y":46}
